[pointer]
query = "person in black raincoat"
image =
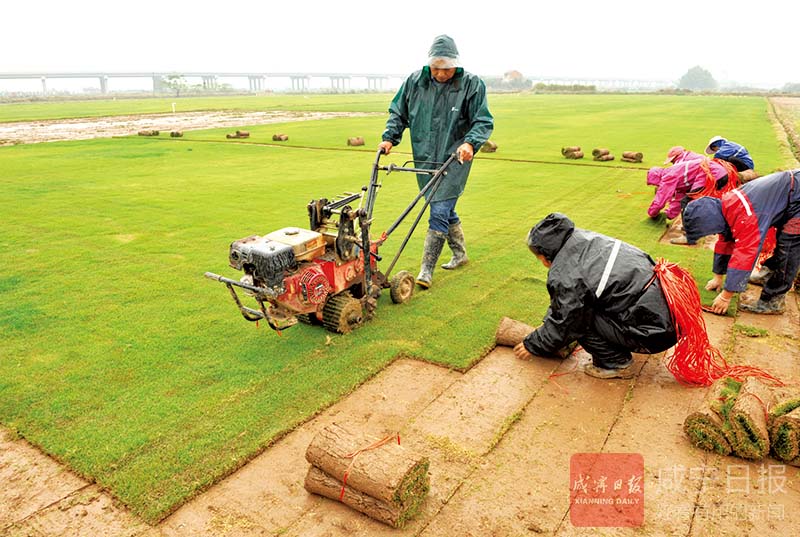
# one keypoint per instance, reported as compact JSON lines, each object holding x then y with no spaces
{"x":446,"y":111}
{"x":603,"y":294}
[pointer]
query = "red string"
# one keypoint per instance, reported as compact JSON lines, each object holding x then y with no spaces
{"x":710,"y":186}
{"x":353,"y":455}
{"x":694,"y":361}
{"x":770,"y":241}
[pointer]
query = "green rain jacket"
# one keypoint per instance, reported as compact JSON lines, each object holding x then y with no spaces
{"x":441,"y":117}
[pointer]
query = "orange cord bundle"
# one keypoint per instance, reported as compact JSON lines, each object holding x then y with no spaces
{"x":694,"y":360}
{"x":710,"y":187}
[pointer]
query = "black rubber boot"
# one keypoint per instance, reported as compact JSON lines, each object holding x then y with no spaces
{"x":774,"y":306}
{"x":434,"y":242}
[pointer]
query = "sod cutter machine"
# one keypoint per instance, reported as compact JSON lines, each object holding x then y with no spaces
{"x":327,"y":274}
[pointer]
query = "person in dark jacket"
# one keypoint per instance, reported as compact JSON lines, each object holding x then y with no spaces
{"x":445,"y":109}
{"x":732,"y":152}
{"x":742,"y":217}
{"x":603,"y":294}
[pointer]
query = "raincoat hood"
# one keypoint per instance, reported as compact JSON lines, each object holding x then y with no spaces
{"x":654,"y":176}
{"x":715,"y":141}
{"x":703,"y":217}
{"x":443,"y":53}
{"x":548,"y":236}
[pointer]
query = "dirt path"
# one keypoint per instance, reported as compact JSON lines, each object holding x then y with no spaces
{"x":500,"y":438}
{"x":105,"y":127}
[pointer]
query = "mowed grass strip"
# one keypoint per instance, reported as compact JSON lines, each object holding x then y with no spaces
{"x":121,"y":360}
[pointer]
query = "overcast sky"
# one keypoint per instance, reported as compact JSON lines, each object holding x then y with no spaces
{"x":749,"y":42}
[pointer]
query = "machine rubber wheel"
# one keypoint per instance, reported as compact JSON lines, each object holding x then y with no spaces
{"x":342,"y":313}
{"x":401,"y":287}
{"x":308,"y":318}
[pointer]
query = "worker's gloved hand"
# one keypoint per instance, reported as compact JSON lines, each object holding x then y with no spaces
{"x":715,"y":283}
{"x":720,"y":305}
{"x":465,"y":152}
{"x":386,"y":146}
{"x":521,"y":352}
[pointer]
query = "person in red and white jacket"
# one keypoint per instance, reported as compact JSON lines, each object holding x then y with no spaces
{"x":742,"y":218}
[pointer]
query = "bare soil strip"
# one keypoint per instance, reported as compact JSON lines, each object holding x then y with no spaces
{"x":499,"y":437}
{"x":28,"y":132}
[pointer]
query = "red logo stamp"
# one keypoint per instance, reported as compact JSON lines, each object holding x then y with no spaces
{"x":606,"y":490}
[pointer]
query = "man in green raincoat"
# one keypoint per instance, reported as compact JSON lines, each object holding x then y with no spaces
{"x":446,"y":111}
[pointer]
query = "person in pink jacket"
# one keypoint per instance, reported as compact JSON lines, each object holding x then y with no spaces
{"x":679,"y":154}
{"x":675,"y":182}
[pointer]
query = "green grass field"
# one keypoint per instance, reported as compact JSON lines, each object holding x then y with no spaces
{"x":118,"y":357}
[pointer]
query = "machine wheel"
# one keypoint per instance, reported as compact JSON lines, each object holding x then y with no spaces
{"x":308,"y":318}
{"x":401,"y":287}
{"x":342,"y":313}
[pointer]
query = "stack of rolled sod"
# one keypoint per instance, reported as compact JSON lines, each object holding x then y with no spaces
{"x":602,"y":154}
{"x":355,"y":141}
{"x":489,"y":147}
{"x":387,"y":483}
{"x":238,"y":134}
{"x":572,"y":152}
{"x":747,"y":419}
{"x":632,"y":156}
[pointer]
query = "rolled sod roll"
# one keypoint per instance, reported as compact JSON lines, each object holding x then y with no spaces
{"x":510,"y":333}
{"x":626,"y":159}
{"x":604,"y":158}
{"x":570,"y":149}
{"x":280,"y":137}
{"x":748,"y":419}
{"x":575,"y":155}
{"x":318,"y":482}
{"x":389,"y":473}
{"x":708,"y":427}
{"x":746,"y":176}
{"x":704,"y":428}
{"x":356,"y":140}
{"x":785,"y":437}
{"x":489,"y":147}
{"x":636,"y":156}
{"x":176,"y":134}
{"x":598,"y":152}
{"x":784,"y":401}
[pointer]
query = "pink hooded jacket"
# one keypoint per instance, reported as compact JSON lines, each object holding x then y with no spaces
{"x":674,"y":182}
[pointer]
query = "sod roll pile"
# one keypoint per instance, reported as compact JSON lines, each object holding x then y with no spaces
{"x":632,"y":156}
{"x":381,"y":479}
{"x":602,"y":155}
{"x":489,"y":147}
{"x":784,"y":429}
{"x":280,"y":137}
{"x":748,"y":419}
{"x":238,"y":134}
{"x":572,"y":152}
{"x":355,"y":141}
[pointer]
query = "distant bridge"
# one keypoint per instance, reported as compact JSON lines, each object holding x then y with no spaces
{"x":256,"y":80}
{"x":301,"y":81}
